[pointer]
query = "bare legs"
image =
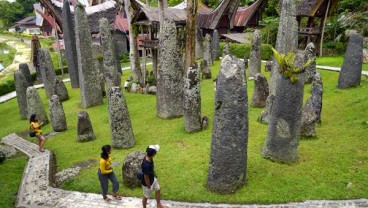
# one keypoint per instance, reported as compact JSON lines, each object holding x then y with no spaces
{"x":158,"y":200}
{"x":41,"y":142}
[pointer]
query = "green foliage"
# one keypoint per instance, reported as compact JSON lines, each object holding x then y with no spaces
{"x":6,"y":59}
{"x":151,"y":80}
{"x":243,"y":50}
{"x":124,"y":57}
{"x":270,"y":29}
{"x":287,"y":66}
{"x":335,"y":61}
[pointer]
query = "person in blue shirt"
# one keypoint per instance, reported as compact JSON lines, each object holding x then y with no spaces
{"x":149,"y":182}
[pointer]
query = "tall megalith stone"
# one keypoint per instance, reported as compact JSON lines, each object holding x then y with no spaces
{"x":90,"y":89}
{"x":120,"y":124}
{"x":287,"y":38}
{"x":310,"y":54}
{"x":351,"y":70}
{"x":198,"y":44}
{"x":70,"y":44}
{"x":255,"y":55}
{"x":216,"y":45}
{"x":47,"y":71}
{"x":23,"y":67}
{"x":283,"y":134}
{"x":208,"y":49}
{"x":261,"y":92}
{"x":21,"y":86}
{"x":57,"y":115}
{"x":169,"y":102}
{"x":192,"y":100}
{"x":35,"y":105}
{"x":112,"y":75}
{"x":228,"y":159}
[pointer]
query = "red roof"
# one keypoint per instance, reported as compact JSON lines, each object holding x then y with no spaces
{"x":121,"y":23}
{"x":27,"y":21}
{"x":244,"y":14}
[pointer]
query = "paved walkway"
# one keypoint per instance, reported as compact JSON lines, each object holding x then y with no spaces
{"x":36,"y":190}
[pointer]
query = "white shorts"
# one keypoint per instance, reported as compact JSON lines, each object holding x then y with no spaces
{"x":147,"y":191}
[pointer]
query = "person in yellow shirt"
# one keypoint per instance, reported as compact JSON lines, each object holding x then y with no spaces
{"x":105,"y":173}
{"x":35,"y":126}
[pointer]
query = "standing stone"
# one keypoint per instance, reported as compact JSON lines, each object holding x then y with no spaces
{"x":169,"y":102}
{"x":265,"y":115}
{"x":85,"y":131}
{"x":255,"y":55}
{"x":310,"y":54}
{"x":228,"y":160}
{"x":27,"y":74}
{"x":120,"y":124}
{"x":311,"y":112}
{"x":287,"y":38}
{"x":206,"y":71}
{"x":70,"y":44}
{"x":60,"y":89}
{"x":260,"y":91}
{"x":35,"y":105}
{"x":90,"y":90}
{"x":199,"y":44}
{"x":282,"y":140}
{"x":47,"y":71}
{"x":351,"y":70}
{"x":132,"y":164}
{"x":57,"y":115}
{"x":112,"y":75}
{"x":21,"y":90}
{"x":226,"y":50}
{"x":268,"y":66}
{"x":133,"y":87}
{"x":192,"y":100}
{"x":208,"y":49}
{"x":216,"y":45}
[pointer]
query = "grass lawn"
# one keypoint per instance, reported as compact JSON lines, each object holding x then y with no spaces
{"x":6,"y":59}
{"x":326,"y":165}
{"x":336,"y":61}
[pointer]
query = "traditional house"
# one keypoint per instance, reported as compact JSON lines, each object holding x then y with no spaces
{"x":27,"y":25}
{"x":311,"y":16}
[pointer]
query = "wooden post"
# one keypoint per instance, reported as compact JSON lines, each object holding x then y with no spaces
{"x":190,"y":34}
{"x":323,"y":28}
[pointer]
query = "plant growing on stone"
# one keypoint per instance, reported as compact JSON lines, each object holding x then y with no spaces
{"x":287,"y":66}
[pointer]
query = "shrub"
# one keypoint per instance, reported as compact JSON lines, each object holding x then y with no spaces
{"x":240,"y":50}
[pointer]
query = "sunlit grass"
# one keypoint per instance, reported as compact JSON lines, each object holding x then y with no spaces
{"x":336,"y":61}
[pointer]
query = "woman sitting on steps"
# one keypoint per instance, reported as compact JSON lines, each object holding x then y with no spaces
{"x":35,"y":126}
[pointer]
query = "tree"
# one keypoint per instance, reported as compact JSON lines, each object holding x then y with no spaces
{"x":10,"y":12}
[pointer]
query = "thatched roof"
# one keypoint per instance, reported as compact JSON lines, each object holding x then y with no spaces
{"x":236,"y":37}
{"x":150,"y":15}
{"x":246,"y":14}
{"x":313,"y":8}
{"x":107,"y":9}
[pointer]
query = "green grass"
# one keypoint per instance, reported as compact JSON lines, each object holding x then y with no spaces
{"x":11,"y":173}
{"x":336,"y":61}
{"x":325,"y":167}
{"x":6,"y":59}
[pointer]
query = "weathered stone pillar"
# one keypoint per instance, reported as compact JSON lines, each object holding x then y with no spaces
{"x":90,"y":90}
{"x":228,"y":160}
{"x":169,"y":102}
{"x":132,"y":164}
{"x":70,"y":45}
{"x":85,"y":131}
{"x":206,"y":71}
{"x":199,"y":44}
{"x":57,"y":115}
{"x":112,"y":75}
{"x":35,"y":105}
{"x":311,"y":112}
{"x":192,"y":100}
{"x":226,"y":50}
{"x":120,"y":124}
{"x":60,"y":89}
{"x":21,"y":85}
{"x":351,"y":70}
{"x":260,"y":93}
{"x":287,"y":38}
{"x":265,"y":115}
{"x":310,"y":54}
{"x":23,"y":67}
{"x":255,"y":55}
{"x":47,"y":71}
{"x":216,"y":45}
{"x":282,"y":140}
{"x":208,"y":49}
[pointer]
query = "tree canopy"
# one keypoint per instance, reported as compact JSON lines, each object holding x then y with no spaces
{"x":15,"y":11}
